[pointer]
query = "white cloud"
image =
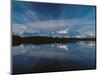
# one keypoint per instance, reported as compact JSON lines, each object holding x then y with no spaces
{"x":50,"y":25}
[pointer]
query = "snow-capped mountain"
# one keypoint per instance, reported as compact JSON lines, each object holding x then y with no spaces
{"x":86,"y":34}
{"x":61,"y":33}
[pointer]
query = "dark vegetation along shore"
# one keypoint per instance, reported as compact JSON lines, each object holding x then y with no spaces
{"x":17,"y":40}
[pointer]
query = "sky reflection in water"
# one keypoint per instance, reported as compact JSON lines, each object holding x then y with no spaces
{"x":80,"y":55}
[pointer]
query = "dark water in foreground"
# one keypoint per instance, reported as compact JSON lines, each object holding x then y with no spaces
{"x":28,"y":58}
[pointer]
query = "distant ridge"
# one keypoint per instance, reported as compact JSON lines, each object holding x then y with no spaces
{"x":17,"y":40}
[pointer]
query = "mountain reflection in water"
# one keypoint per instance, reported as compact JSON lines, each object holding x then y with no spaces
{"x":28,"y":58}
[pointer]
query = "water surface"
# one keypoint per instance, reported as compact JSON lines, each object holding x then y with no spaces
{"x":29,"y":58}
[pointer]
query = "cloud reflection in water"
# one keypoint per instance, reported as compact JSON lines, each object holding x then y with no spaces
{"x":50,"y":50}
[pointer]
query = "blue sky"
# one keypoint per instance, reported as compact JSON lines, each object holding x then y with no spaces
{"x":34,"y":16}
{"x":48,"y":11}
